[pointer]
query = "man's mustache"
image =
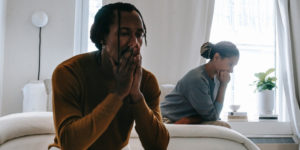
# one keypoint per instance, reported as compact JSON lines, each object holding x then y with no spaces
{"x":126,"y":49}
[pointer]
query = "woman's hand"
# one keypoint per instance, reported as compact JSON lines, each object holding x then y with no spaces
{"x":223,"y":77}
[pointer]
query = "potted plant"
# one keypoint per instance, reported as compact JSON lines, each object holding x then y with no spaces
{"x":265,"y":85}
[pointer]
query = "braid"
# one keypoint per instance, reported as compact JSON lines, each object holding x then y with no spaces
{"x":119,"y":20}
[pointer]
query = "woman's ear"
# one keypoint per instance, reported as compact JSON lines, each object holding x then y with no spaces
{"x":216,"y":56}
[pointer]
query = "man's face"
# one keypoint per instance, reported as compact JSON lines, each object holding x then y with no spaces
{"x":131,"y":34}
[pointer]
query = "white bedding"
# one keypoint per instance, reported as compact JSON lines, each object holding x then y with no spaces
{"x":35,"y":131}
{"x":207,"y":137}
{"x":23,"y":124}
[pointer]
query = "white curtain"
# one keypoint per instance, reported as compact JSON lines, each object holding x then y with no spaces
{"x":176,"y":29}
{"x":288,"y":44}
{"x":2,"y":39}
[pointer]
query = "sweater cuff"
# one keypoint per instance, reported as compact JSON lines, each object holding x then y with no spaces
{"x":219,"y":107}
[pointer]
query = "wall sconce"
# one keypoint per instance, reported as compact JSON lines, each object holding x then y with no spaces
{"x":39,"y":19}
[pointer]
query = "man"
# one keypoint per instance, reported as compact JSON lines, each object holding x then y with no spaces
{"x":98,"y":96}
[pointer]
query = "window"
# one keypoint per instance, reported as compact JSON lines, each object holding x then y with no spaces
{"x":250,"y":24}
{"x":84,"y":18}
{"x":94,"y":6}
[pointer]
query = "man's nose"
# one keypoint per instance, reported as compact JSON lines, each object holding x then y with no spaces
{"x":133,"y":40}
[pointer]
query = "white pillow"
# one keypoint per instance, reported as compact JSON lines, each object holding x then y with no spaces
{"x":34,"y":96}
{"x":48,"y":86}
{"x":165,"y":90}
{"x":23,"y":124}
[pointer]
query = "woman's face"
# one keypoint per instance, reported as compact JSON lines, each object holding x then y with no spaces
{"x":131,"y":34}
{"x":226,"y":63}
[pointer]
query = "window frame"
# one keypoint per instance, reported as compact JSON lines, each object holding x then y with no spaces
{"x":81,"y":27}
{"x":263,"y":128}
{"x":280,"y":127}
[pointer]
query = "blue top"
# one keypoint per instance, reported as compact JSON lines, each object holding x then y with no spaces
{"x":194,"y":94}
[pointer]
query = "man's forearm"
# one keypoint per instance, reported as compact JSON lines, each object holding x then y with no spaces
{"x":152,"y":132}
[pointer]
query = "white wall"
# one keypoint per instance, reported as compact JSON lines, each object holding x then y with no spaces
{"x":175,"y":33}
{"x":21,"y":45}
{"x":2,"y":33}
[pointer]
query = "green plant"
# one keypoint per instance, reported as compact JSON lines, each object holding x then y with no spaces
{"x":265,"y":82}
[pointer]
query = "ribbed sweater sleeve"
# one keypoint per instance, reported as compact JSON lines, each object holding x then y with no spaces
{"x":199,"y":95}
{"x":75,"y":131}
{"x":152,"y":132}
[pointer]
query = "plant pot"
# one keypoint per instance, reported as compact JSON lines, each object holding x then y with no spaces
{"x":266,"y":102}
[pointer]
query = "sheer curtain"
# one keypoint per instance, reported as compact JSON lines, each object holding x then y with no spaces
{"x":2,"y":36}
{"x":176,"y":30}
{"x":288,"y":37}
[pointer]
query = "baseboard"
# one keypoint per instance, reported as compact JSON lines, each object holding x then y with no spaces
{"x":276,"y":142}
{"x":273,"y":140}
{"x":277,"y":146}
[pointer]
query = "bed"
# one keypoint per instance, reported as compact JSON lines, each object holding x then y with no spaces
{"x":35,"y":130}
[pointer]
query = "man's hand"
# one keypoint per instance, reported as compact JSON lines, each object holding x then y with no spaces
{"x":135,"y":92}
{"x":123,"y":73}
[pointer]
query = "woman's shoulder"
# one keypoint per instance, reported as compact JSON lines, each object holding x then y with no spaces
{"x":196,"y":75}
{"x":194,"y":79}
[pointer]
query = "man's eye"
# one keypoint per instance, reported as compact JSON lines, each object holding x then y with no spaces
{"x":124,"y":33}
{"x":139,"y":35}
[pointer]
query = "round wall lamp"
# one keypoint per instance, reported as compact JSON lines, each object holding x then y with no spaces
{"x":39,"y":18}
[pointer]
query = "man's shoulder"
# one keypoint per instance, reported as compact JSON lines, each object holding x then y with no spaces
{"x":76,"y":61}
{"x":79,"y":58}
{"x":147,"y":72}
{"x":147,"y":75}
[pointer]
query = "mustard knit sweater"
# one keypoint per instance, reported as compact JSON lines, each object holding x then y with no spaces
{"x":88,"y":116}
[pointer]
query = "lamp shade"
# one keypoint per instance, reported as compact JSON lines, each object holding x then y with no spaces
{"x":39,"y":18}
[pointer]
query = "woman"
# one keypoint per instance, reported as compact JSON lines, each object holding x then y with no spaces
{"x":198,"y":97}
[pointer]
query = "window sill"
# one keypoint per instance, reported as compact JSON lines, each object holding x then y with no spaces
{"x":262,"y":128}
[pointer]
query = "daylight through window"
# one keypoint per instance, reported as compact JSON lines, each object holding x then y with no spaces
{"x":250,"y":25}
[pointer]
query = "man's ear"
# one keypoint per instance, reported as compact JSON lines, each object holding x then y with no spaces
{"x":102,"y":42}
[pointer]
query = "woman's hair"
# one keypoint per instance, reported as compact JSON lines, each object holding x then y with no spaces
{"x":224,"y":48}
{"x":105,"y":18}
